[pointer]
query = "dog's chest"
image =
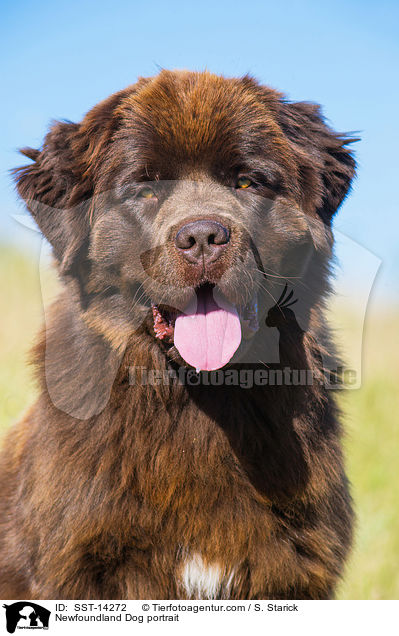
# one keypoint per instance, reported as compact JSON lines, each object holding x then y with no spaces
{"x":202,"y":580}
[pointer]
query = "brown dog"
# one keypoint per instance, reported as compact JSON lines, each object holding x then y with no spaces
{"x":171,"y":454}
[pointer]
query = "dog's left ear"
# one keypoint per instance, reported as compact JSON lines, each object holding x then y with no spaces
{"x":326,"y":165}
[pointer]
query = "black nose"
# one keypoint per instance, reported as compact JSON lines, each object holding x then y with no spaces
{"x":205,"y":239}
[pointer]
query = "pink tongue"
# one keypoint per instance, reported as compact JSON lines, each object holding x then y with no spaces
{"x":208,"y":334}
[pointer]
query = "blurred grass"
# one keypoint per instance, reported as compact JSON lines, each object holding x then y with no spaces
{"x":21,"y":315}
{"x":372,"y":456}
{"x":371,"y":443}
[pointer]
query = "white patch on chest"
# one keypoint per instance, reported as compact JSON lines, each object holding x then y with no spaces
{"x":203,"y":581}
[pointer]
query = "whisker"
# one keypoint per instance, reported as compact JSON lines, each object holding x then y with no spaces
{"x":270,"y":294}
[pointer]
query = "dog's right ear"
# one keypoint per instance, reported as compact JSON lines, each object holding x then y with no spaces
{"x":59,"y":185}
{"x":55,"y":192}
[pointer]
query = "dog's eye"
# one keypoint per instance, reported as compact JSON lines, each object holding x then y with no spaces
{"x":243,"y":182}
{"x":146,"y":193}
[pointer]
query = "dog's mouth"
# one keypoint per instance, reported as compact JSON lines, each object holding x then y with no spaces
{"x":209,"y":330}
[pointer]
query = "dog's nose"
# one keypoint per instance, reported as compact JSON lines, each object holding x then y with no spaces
{"x":205,"y":239}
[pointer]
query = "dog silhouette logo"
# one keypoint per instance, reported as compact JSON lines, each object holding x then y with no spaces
{"x":26,"y":615}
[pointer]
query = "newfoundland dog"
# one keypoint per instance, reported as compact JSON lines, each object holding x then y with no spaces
{"x":186,"y":441}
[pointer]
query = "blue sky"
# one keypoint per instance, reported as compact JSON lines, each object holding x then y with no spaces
{"x":59,"y":59}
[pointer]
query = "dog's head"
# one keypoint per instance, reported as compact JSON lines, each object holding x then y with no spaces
{"x":185,"y":203}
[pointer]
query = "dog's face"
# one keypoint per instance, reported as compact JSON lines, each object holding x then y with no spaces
{"x":186,"y":201}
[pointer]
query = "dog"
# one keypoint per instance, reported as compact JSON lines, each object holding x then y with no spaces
{"x":174,"y":451}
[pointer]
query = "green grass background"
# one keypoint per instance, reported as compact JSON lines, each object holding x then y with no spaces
{"x":370,"y":416}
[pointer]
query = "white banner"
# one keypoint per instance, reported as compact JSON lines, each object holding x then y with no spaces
{"x":320,"y":618}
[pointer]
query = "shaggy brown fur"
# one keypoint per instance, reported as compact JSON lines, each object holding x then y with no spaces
{"x":108,"y":487}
